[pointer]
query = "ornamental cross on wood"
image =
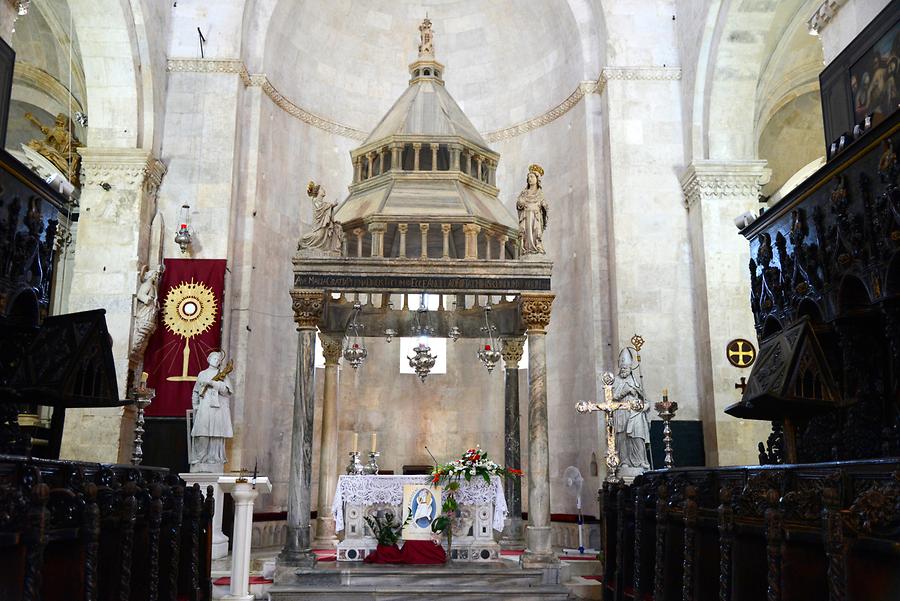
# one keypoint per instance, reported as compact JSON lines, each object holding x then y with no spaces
{"x":608,"y":407}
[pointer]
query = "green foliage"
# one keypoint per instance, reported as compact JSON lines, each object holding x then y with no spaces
{"x":385,"y":529}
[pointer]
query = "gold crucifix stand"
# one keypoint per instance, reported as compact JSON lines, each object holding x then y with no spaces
{"x":608,"y":407}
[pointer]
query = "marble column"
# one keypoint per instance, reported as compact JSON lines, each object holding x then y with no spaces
{"x":307,"y":306}
{"x":328,"y":443}
{"x":538,"y":550}
{"x":513,"y":530}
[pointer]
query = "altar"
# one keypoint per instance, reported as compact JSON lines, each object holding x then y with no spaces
{"x":482,"y":509}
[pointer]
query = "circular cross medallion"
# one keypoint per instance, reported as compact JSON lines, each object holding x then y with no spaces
{"x":740,"y":353}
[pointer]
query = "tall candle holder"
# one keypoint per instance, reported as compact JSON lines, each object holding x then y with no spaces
{"x":355,"y":467}
{"x":372,"y":467}
{"x":143,"y":397}
{"x":666,"y":410}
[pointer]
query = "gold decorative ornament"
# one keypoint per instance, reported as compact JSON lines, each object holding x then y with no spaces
{"x":536,"y":311}
{"x":312,"y":189}
{"x":637,"y":342}
{"x":189,"y":310}
{"x":536,"y":169}
{"x":740,"y":353}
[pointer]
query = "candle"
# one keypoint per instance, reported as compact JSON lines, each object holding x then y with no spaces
{"x":665,"y":394}
{"x":355,"y":442}
{"x":373,"y":441}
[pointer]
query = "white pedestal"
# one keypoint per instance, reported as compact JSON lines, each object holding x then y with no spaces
{"x":219,"y":540}
{"x":244,"y":492}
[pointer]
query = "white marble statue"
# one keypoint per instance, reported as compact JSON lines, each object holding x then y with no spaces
{"x":212,"y":415}
{"x":146,"y":312}
{"x":632,"y":426}
{"x":532,"y":208}
{"x":328,"y":235}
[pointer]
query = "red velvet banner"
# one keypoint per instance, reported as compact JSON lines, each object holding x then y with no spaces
{"x":189,"y":328}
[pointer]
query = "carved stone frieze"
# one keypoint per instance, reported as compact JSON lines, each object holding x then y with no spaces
{"x":536,"y":311}
{"x":823,"y":15}
{"x":122,"y":169}
{"x":307,"y":306}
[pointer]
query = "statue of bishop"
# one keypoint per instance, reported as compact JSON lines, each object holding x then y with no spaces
{"x":632,"y":425}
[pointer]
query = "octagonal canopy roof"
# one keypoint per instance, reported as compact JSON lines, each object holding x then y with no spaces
{"x":426,"y":108}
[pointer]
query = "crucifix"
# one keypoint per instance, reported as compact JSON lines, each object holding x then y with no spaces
{"x":608,"y":407}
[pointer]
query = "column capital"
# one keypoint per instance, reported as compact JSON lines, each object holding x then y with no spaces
{"x":445,"y":227}
{"x":403,"y":227}
{"x":823,"y":15}
{"x":471,"y":228}
{"x":423,"y":227}
{"x":536,"y":311}
{"x":377,"y":226}
{"x":332,"y":345}
{"x":512,"y":351}
{"x":129,"y":167}
{"x":717,"y":179}
{"x":417,"y":145}
{"x":307,"y":306}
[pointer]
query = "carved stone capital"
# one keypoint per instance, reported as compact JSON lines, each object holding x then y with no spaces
{"x":307,"y":305}
{"x":121,"y":169}
{"x":723,"y":179}
{"x":536,"y":311}
{"x":332,"y":345}
{"x":512,"y":351}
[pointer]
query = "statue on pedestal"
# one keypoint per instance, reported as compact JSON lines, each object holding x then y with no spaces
{"x":532,"y":208}
{"x":328,"y":235}
{"x":212,"y":415}
{"x":632,"y":426}
{"x":146,"y":311}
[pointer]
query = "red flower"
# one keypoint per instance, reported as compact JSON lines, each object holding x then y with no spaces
{"x":476,"y":457}
{"x":514,"y":472}
{"x":436,"y":478}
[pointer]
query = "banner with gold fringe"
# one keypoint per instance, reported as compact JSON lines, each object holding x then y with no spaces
{"x":189,"y":328}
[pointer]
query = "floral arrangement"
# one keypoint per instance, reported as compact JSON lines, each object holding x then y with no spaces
{"x":474,"y":463}
{"x":386,"y":531}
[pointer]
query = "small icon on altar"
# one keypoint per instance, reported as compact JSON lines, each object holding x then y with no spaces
{"x":422,"y":502}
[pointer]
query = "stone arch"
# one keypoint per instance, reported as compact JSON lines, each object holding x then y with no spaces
{"x":809,"y":308}
{"x":739,"y":40}
{"x":771,"y":327}
{"x":108,"y":37}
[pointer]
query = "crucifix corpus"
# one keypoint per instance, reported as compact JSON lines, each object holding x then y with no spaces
{"x":608,"y":407}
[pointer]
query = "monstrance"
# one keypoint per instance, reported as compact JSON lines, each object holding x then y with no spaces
{"x":189,"y":310}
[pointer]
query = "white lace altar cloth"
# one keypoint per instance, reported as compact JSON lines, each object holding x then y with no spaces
{"x":368,"y":490}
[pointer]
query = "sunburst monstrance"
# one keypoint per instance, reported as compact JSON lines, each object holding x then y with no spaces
{"x":189,"y":310}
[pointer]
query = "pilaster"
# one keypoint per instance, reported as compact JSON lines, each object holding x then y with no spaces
{"x":715,"y":192}
{"x":118,"y":201}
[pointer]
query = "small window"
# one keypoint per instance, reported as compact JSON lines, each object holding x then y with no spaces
{"x":437,"y":73}
{"x":427,"y":71}
{"x":416,"y":73}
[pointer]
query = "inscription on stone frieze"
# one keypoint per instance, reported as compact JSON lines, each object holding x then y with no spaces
{"x":361,"y":282}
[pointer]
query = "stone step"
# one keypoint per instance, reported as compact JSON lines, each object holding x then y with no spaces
{"x":411,"y":592}
{"x":482,"y":575}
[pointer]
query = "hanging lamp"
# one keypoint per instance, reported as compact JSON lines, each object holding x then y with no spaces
{"x":354,"y":344}
{"x":422,"y":360}
{"x":488,"y":351}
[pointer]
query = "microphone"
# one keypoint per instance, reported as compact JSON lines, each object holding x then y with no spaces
{"x":432,"y":456}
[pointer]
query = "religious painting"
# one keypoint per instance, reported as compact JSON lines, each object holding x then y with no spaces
{"x":875,"y":78}
{"x":421,"y":504}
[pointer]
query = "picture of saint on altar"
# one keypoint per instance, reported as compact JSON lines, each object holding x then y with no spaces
{"x":423,"y":504}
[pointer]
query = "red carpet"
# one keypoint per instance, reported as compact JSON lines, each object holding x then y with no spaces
{"x":325,"y":554}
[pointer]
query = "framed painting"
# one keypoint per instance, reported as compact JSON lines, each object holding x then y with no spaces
{"x":423,"y":503}
{"x":861,"y":86}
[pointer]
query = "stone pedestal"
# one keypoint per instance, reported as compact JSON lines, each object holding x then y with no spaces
{"x":513,"y":536}
{"x":244,"y":494}
{"x":328,"y":448}
{"x":538,"y":549}
{"x":219,"y":540}
{"x":297,"y":552}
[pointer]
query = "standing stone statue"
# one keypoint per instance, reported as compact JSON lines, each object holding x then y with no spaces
{"x":146,"y":312}
{"x":632,"y":426}
{"x":212,"y":415}
{"x":328,"y":235}
{"x":532,"y":208}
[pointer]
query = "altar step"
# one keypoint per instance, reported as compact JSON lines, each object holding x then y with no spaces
{"x":488,"y":581}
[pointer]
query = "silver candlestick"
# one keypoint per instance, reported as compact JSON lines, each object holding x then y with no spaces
{"x":355,"y":467}
{"x":372,"y":468}
{"x":143,"y":396}
{"x":666,"y":410}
